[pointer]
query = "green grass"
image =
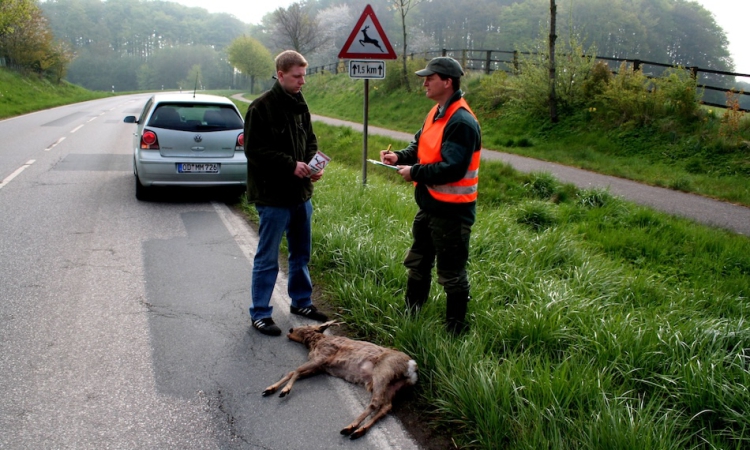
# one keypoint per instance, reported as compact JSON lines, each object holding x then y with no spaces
{"x":596,"y":323}
{"x":691,"y":159}
{"x":23,"y":94}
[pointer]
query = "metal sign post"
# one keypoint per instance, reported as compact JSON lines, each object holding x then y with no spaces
{"x":370,"y":51}
{"x":366,"y":70}
{"x":364,"y":130}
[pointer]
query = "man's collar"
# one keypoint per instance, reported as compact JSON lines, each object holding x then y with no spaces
{"x":441,"y":109}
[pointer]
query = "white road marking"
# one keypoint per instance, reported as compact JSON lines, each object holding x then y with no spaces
{"x":16,"y":173}
{"x":55,"y":144}
{"x":76,"y":129}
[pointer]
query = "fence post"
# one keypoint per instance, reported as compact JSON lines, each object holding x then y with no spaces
{"x":515,"y":61}
{"x":445,"y":52}
{"x":636,"y":65}
{"x":487,"y":62}
{"x":463,"y":59}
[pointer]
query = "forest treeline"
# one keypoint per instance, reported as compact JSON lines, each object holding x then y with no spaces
{"x":137,"y":44}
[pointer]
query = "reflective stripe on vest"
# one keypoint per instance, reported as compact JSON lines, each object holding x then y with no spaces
{"x":428,"y":152}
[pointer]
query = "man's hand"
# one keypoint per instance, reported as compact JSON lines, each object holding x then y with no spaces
{"x":388,"y":157}
{"x":317,"y":176}
{"x":405,"y":172}
{"x":302,"y":170}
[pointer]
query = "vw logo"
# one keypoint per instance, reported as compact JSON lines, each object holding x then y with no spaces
{"x":198,"y":138}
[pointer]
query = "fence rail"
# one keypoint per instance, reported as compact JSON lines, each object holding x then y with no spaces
{"x":714,"y":83}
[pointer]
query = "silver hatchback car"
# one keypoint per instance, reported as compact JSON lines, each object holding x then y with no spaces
{"x":188,"y":140}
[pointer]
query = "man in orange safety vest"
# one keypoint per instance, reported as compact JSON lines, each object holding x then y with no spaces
{"x":443,"y":163}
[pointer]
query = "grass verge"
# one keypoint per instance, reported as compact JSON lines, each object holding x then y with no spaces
{"x":23,"y":94}
{"x":596,"y":323}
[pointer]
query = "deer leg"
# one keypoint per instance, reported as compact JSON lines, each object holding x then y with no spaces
{"x":304,"y":370}
{"x":379,"y":390}
{"x":384,"y":409}
{"x":272,"y":388}
{"x":353,"y":426}
{"x":380,"y":404}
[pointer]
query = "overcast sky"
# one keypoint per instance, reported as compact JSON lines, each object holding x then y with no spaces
{"x":729,"y":14}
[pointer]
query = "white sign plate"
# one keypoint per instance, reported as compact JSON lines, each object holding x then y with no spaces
{"x":367,"y":69}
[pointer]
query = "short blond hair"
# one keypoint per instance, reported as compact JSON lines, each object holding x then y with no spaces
{"x":288,"y":59}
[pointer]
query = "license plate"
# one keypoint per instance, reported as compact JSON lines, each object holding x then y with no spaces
{"x":198,"y":167}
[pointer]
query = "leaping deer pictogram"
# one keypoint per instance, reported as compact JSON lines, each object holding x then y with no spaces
{"x":369,"y":40}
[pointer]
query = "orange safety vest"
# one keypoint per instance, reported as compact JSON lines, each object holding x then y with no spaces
{"x":428,"y":152}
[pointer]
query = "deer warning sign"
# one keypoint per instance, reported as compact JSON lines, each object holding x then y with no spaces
{"x":367,"y":40}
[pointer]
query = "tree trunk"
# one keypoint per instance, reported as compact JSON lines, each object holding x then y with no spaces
{"x":552,"y":70}
{"x":405,"y":81}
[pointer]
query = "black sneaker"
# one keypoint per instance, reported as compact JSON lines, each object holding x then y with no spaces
{"x":311,"y":312}
{"x":267,"y":326}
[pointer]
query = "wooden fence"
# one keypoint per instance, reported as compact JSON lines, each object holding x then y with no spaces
{"x":715,"y":83}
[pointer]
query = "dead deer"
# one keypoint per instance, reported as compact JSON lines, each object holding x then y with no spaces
{"x":383,"y":371}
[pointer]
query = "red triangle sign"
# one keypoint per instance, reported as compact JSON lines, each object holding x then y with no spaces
{"x":367,"y":40}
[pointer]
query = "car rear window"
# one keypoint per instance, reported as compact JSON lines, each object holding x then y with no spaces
{"x":195,"y":117}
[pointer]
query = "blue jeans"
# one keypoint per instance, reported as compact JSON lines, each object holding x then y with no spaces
{"x":295,"y":221}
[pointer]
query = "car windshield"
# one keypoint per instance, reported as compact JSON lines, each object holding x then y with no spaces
{"x":195,"y":117}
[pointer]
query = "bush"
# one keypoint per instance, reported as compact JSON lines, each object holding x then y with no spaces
{"x":493,"y":91}
{"x":529,"y":91}
{"x":394,"y":75}
{"x":632,"y":98}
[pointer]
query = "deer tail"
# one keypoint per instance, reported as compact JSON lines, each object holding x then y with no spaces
{"x":411,"y":372}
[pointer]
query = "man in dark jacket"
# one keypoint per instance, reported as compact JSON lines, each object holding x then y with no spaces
{"x":443,"y":163}
{"x":279,"y":142}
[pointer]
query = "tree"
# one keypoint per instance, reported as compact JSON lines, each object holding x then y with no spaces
{"x":552,"y":68}
{"x":335,"y":24}
{"x":194,"y":79}
{"x":13,"y":13}
{"x":251,"y":58}
{"x":403,"y":7}
{"x":294,"y":28}
{"x":28,"y":43}
{"x":453,"y":24}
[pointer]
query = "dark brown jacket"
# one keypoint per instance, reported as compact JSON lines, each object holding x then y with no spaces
{"x":278,"y":133}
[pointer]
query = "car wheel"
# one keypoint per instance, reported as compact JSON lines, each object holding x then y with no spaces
{"x":142,"y":192}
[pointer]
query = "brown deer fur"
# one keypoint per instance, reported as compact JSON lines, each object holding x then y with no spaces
{"x":383,"y":371}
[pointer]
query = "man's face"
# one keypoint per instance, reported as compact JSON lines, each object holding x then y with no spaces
{"x":437,"y":89}
{"x":292,"y":80}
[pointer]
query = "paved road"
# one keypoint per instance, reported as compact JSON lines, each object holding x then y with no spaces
{"x":124,"y":324}
{"x":701,"y":209}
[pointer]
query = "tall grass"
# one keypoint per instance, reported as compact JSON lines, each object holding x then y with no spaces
{"x":595,"y":323}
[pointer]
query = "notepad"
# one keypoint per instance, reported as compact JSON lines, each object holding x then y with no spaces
{"x":378,"y":163}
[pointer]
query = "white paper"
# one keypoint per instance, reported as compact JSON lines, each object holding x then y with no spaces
{"x":318,"y":162}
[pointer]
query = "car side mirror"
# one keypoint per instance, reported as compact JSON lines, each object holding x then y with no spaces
{"x":130,"y":119}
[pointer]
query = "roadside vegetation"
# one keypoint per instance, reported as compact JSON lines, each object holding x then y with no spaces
{"x":596,"y":323}
{"x":626,"y":125}
{"x":21,"y":94}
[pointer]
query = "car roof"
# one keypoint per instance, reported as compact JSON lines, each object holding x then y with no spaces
{"x":189,"y":97}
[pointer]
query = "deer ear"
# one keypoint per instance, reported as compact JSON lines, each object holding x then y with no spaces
{"x":324,"y":326}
